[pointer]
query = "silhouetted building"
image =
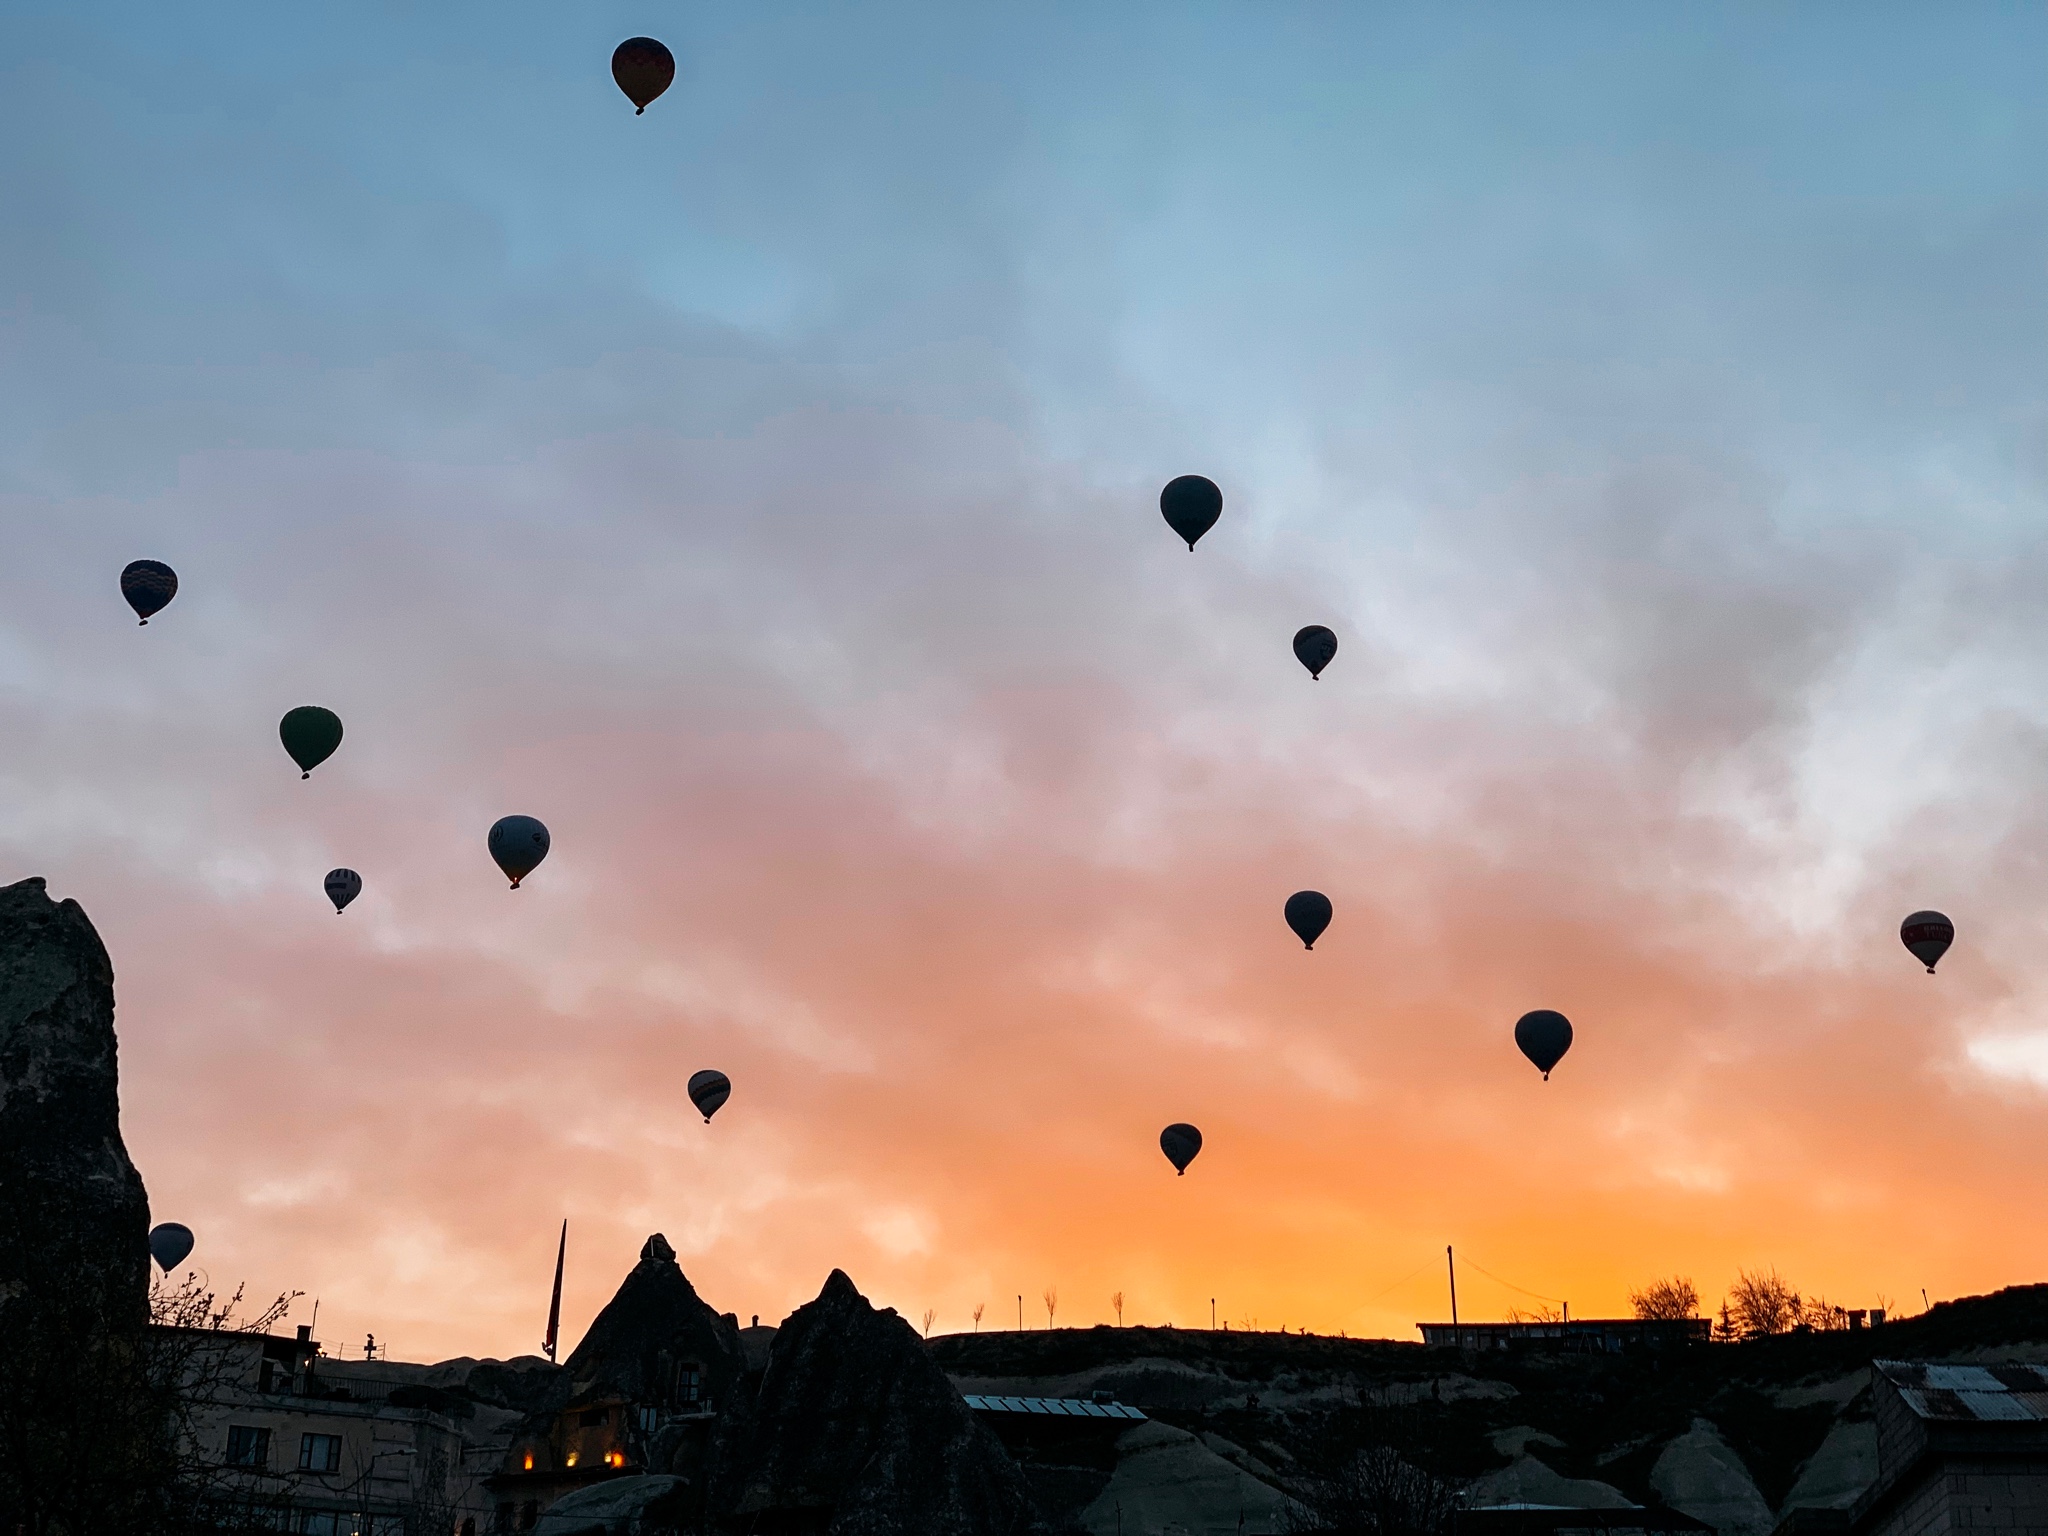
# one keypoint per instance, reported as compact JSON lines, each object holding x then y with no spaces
{"x":1959,"y":1447}
{"x":1585,"y":1336}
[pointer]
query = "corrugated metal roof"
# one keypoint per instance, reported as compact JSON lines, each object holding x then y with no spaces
{"x":1971,"y":1392}
{"x":1057,"y":1407}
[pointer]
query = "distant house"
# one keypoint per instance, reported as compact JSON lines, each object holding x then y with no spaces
{"x":1959,"y":1447}
{"x":1586,"y":1336}
{"x":296,"y":1441}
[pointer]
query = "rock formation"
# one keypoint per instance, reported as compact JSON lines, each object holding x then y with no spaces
{"x":73,"y":1214}
{"x":857,"y":1432}
{"x":654,"y":1331}
{"x":85,"y":1420}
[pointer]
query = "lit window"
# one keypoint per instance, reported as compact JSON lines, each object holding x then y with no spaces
{"x":319,"y":1453}
{"x":570,"y":1459}
{"x":529,"y":1461}
{"x":247,"y":1446}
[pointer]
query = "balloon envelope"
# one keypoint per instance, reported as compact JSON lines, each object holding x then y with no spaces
{"x":310,"y":734}
{"x":1315,"y":647}
{"x":1308,"y":914}
{"x":708,"y":1091}
{"x":1191,"y":505}
{"x":169,"y":1244}
{"x":1180,"y":1142}
{"x":148,"y":585}
{"x":518,"y":843}
{"x":644,"y":69}
{"x":343,"y":886}
{"x":1928,"y":935}
{"x":1544,"y":1037}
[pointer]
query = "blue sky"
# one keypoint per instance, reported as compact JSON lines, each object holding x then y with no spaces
{"x":761,"y":490}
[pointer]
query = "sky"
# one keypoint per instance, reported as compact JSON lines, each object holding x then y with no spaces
{"x":763,"y":493}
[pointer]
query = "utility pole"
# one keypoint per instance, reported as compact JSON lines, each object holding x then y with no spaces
{"x":1212,"y":1314}
{"x":1452,"y":1260}
{"x":1020,"y":1314}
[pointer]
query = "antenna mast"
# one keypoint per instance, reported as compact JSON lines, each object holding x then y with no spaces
{"x":555,"y":1302}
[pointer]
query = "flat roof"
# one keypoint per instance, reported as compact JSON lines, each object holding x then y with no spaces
{"x":1054,"y":1407}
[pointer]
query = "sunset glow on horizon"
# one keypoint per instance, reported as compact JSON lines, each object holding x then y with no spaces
{"x":763,"y":493}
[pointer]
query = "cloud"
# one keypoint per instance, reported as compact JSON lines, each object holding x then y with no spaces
{"x":765,"y":502}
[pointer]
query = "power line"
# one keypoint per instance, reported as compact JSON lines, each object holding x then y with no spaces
{"x":1496,"y":1279}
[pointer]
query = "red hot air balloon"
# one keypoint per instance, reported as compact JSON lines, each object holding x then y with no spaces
{"x":643,"y":69}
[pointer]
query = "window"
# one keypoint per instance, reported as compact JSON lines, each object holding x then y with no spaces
{"x":529,"y":1514}
{"x":248,"y":1447}
{"x":325,"y":1522}
{"x":319,"y":1453}
{"x":686,"y":1383}
{"x":650,"y":1420}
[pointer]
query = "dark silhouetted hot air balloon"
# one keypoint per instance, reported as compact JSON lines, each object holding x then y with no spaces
{"x":1928,"y":935}
{"x":170,"y":1244}
{"x":1180,"y":1143}
{"x":1308,"y":914}
{"x":1315,"y":647}
{"x":343,"y":886}
{"x":310,"y":734}
{"x":709,"y":1090}
{"x":644,"y":69}
{"x":1544,"y":1037}
{"x":1191,"y":506}
{"x":518,"y":843}
{"x":148,"y":585}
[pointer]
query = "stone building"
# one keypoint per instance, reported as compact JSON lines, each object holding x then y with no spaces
{"x":298,"y":1441}
{"x":1959,"y":1448}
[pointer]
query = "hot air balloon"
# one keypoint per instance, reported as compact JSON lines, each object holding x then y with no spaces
{"x":170,"y":1244}
{"x":148,"y":585}
{"x":1191,"y":506}
{"x":1544,"y":1037}
{"x":643,"y":69}
{"x":1315,"y":647}
{"x":1180,"y":1143}
{"x":310,"y":734}
{"x":1308,"y":914}
{"x":1928,"y":935}
{"x":343,"y":886}
{"x":518,"y":843}
{"x":708,"y":1091}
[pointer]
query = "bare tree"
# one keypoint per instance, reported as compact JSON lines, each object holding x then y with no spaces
{"x":1541,"y":1313}
{"x":1760,"y":1304}
{"x":1663,"y":1300}
{"x":1117,"y":1301}
{"x":1366,"y":1475}
{"x":1052,"y":1303}
{"x":929,"y":1314}
{"x":977,"y":1315}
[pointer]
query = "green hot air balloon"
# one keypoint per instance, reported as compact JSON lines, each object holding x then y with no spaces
{"x":310,"y":734}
